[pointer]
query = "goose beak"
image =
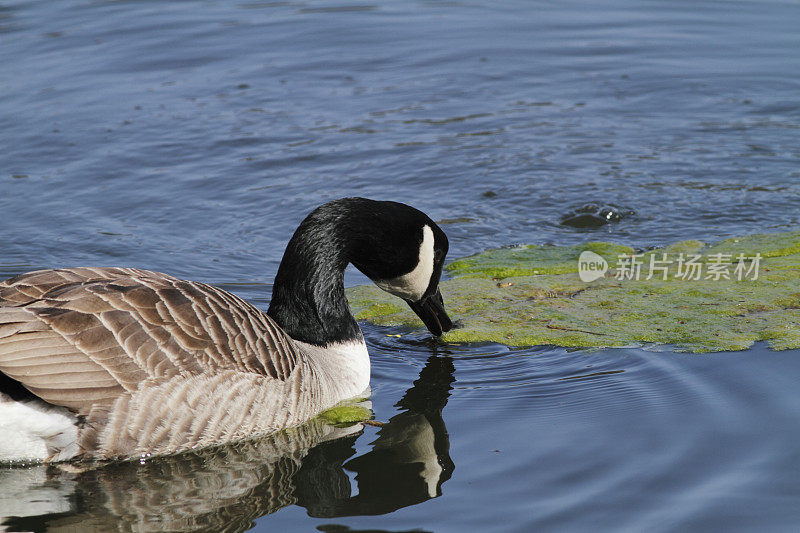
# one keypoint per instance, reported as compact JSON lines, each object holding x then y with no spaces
{"x":431,"y":310}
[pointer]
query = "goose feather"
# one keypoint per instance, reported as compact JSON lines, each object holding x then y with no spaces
{"x":123,"y":347}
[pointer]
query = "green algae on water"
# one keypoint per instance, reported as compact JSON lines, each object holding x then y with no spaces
{"x":348,"y":412}
{"x":532,"y":295}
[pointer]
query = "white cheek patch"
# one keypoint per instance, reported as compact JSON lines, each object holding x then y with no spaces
{"x":413,"y":285}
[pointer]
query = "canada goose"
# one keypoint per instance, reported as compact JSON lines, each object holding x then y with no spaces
{"x":116,"y":363}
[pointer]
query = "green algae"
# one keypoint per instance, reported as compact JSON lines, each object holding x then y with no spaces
{"x":532,"y":295}
{"x":347,"y":413}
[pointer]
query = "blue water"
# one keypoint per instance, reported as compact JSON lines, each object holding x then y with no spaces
{"x":192,"y":137}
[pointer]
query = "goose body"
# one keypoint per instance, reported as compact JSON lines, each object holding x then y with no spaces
{"x":116,"y":363}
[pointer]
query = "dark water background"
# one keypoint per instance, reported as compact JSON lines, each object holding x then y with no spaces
{"x":192,"y":137}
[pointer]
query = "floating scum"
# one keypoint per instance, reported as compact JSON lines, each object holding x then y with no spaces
{"x":699,"y":297}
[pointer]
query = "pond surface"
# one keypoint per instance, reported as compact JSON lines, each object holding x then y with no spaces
{"x":192,"y":138}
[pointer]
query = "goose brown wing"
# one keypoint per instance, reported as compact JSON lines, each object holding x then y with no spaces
{"x":82,"y":337}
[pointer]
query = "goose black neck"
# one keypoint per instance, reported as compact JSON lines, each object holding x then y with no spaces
{"x":308,"y":299}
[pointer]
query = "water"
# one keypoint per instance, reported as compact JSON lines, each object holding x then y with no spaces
{"x":192,"y":137}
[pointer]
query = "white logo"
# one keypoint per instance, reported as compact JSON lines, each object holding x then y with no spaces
{"x":591,"y":266}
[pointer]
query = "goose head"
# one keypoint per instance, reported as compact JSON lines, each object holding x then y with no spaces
{"x":403,"y":251}
{"x":397,"y":246}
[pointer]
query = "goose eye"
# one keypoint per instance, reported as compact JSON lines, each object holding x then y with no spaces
{"x":437,"y":255}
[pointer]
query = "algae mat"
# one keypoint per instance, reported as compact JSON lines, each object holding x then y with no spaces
{"x":699,"y":297}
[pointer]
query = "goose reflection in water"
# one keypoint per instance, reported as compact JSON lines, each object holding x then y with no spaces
{"x":226,"y":488}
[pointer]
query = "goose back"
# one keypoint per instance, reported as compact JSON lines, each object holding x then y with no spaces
{"x":121,"y":348}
